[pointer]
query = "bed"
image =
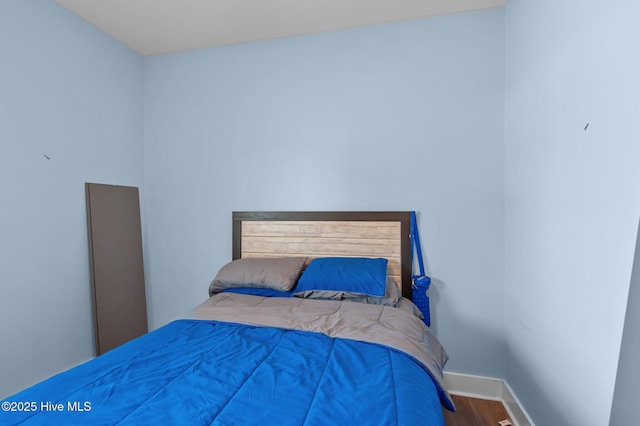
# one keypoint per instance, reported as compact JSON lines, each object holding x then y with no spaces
{"x":283,"y":339}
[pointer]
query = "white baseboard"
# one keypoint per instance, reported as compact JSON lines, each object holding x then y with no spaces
{"x":488,"y":388}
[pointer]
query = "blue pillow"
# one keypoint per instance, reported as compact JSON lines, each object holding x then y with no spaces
{"x":346,"y":274}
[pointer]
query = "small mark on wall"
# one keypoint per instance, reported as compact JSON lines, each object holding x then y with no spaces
{"x":46,"y":156}
{"x":585,"y":127}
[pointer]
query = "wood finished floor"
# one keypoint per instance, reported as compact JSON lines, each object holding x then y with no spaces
{"x":475,"y":412}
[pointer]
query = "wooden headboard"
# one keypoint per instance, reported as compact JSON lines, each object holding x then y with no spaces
{"x":324,"y":234}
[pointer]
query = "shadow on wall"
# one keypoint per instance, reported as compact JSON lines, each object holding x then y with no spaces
{"x":627,"y":389}
{"x":434,"y":302}
{"x":474,"y":347}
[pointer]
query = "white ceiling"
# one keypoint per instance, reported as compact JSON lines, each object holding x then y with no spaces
{"x":153,"y":27}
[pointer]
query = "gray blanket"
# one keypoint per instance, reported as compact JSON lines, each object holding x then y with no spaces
{"x":385,"y":325}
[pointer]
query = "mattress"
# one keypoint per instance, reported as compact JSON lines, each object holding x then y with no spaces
{"x":245,"y":360}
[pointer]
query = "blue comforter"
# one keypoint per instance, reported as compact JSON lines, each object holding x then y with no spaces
{"x":195,"y":372}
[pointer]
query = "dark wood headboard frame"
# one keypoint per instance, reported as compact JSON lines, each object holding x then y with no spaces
{"x":403,"y":217}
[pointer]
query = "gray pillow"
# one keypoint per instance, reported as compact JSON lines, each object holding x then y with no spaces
{"x":390,"y":298}
{"x":277,"y":273}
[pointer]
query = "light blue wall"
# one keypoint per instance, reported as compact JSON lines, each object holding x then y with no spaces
{"x":391,"y":117}
{"x":572,"y":201}
{"x":71,"y":93}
